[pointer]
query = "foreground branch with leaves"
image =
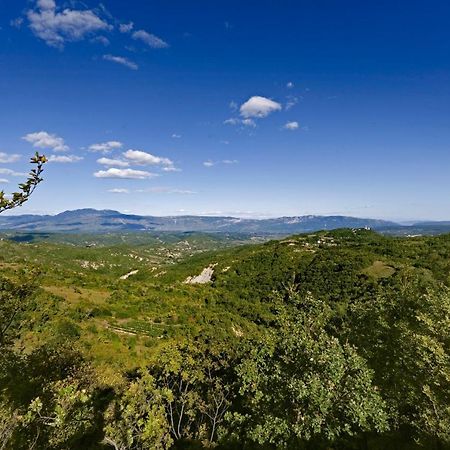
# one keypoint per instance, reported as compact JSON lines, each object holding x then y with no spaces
{"x":27,"y":188}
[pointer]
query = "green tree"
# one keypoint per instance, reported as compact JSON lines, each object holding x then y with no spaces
{"x":63,"y":417}
{"x":181,"y":398}
{"x":15,"y":301}
{"x":201,"y":385}
{"x":404,"y":333}
{"x":136,"y":419}
{"x":300,"y":385}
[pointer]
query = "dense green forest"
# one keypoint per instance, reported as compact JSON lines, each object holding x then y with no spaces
{"x":332,"y":340}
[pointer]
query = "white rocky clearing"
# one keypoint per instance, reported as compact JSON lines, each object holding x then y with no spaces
{"x":204,"y":277}
{"x":129,"y":274}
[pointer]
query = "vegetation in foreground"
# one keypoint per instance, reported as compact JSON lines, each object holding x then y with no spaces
{"x":330,"y":340}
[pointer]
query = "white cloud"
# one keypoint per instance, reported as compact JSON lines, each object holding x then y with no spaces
{"x":113,"y":162}
{"x":9,"y":158}
{"x":119,"y":191}
{"x":290,"y":85}
{"x":150,"y":39}
{"x":58,"y":27}
{"x":46,"y":4}
{"x":126,"y":27}
{"x":12,"y":173}
{"x":258,"y":107}
{"x":65,"y":158}
{"x":176,"y":136}
{"x":291,"y":126}
{"x":124,"y":173}
{"x":121,"y":60}
{"x":144,"y":159}
{"x":106,"y":147}
{"x":171,"y":169}
{"x":4,"y":180}
{"x":42,"y":139}
{"x":209,"y":163}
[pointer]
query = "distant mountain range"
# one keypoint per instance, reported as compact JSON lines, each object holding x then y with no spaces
{"x":107,"y":221}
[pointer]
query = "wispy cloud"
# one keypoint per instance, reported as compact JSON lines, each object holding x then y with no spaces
{"x":119,"y":191}
{"x":167,"y":190}
{"x":16,"y":23}
{"x":291,"y":102}
{"x":42,"y":139}
{"x":121,"y":60}
{"x":65,"y":158}
{"x":232,"y":121}
{"x":289,"y":84}
{"x":12,"y":173}
{"x":153,"y":190}
{"x":101,"y":40}
{"x":56,"y":27}
{"x":106,"y":147}
{"x":233,"y":105}
{"x":4,"y":180}
{"x":210,"y":163}
{"x":126,"y":27}
{"x":124,"y":173}
{"x":245,"y":122}
{"x":149,"y":39}
{"x":176,"y":136}
{"x":249,"y":123}
{"x":9,"y":158}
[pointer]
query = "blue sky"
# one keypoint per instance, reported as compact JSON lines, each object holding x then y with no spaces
{"x":247,"y":108}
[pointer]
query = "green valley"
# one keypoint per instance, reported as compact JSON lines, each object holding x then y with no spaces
{"x":326,"y":340}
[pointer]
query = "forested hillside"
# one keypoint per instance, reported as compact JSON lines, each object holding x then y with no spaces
{"x":329,"y":340}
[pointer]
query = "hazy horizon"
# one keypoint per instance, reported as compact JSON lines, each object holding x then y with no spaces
{"x":236,"y":214}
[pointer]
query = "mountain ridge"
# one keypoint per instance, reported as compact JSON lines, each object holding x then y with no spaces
{"x":93,"y":220}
